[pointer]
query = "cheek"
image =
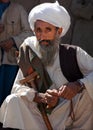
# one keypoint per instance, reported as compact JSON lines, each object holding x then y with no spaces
{"x":37,"y":35}
{"x":51,"y":35}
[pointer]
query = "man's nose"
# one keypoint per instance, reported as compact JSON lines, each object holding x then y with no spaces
{"x":43,"y":36}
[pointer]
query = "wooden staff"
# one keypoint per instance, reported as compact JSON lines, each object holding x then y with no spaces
{"x":30,"y":79}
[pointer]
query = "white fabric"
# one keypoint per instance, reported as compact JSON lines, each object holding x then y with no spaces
{"x":52,"y":13}
{"x":19,"y":110}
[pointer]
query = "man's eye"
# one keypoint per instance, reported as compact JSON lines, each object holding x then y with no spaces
{"x":38,"y":30}
{"x":48,"y":29}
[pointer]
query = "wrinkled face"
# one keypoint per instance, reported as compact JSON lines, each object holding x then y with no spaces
{"x":5,"y":1}
{"x":48,"y":37}
{"x":46,"y":31}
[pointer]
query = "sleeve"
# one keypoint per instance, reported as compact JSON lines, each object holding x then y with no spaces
{"x":25,"y":28}
{"x":83,"y":9}
{"x":85,"y":63}
{"x":22,"y":90}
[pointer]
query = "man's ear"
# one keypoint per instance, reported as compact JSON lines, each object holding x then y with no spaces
{"x":59,"y":31}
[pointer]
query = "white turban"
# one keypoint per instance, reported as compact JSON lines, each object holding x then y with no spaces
{"x":52,"y":13}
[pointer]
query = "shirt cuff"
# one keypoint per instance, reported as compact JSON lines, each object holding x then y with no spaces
{"x":29,"y":94}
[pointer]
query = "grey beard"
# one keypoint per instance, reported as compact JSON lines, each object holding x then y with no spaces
{"x":48,"y":52}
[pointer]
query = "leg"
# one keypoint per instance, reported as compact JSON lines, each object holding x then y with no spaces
{"x":24,"y":115}
{"x":8,"y":129}
{"x":83,"y":110}
{"x":5,"y":128}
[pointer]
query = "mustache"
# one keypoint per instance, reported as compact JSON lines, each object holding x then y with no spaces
{"x":48,"y":41}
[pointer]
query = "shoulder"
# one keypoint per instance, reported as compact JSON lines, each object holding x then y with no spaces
{"x":71,"y":47}
{"x":16,"y":6}
{"x":67,"y":52}
{"x":71,"y":50}
{"x":68,"y":46}
{"x":33,"y":44}
{"x":66,"y":49}
{"x":31,"y":41}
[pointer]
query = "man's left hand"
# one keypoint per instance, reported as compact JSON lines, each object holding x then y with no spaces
{"x":69,"y":90}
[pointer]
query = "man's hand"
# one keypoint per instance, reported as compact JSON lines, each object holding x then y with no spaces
{"x":51,"y":97}
{"x":69,"y":90}
{"x":7,"y":44}
{"x":40,"y":98}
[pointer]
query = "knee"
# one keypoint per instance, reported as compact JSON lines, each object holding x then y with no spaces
{"x":12,"y":99}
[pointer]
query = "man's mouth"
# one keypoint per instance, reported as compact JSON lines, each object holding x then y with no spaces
{"x":45,"y":42}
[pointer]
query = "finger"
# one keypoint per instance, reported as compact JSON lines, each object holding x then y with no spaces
{"x":62,"y":91}
{"x":60,"y":88}
{"x":49,"y":91}
{"x":53,"y":92}
{"x":47,"y":95}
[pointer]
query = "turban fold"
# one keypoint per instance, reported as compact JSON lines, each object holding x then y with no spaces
{"x":52,"y":13}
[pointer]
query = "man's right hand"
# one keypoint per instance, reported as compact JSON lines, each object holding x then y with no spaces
{"x":40,"y":98}
{"x":50,"y":97}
